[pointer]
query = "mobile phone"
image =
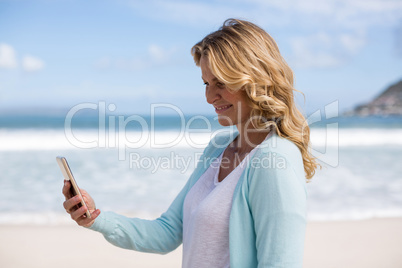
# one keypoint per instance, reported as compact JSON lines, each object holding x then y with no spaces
{"x":68,"y":175}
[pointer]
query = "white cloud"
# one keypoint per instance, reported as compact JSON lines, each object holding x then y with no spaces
{"x":194,"y":13}
{"x":155,"y":56}
{"x":326,"y":7}
{"x":32,"y":64}
{"x":324,"y":50}
{"x":328,"y":13}
{"x":7,"y":57}
{"x":157,"y":53}
{"x":8,"y":60}
{"x":302,"y":22}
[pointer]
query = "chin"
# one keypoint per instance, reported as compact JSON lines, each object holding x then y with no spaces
{"x":225,"y":121}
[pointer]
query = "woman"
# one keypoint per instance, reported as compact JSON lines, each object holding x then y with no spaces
{"x":245,"y":203}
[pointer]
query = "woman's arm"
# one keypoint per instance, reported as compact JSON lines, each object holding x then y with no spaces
{"x":158,"y":236}
{"x":277,"y":201}
{"x":161,"y":235}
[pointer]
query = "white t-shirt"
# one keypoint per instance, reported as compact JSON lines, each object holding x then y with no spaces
{"x":206,"y":217}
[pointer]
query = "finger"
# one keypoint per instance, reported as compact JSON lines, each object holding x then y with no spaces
{"x":87,"y":198}
{"x":87,"y":222}
{"x":75,"y":215}
{"x":84,"y":194}
{"x":71,"y":203}
{"x":66,"y":190}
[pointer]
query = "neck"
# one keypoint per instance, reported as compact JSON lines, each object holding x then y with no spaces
{"x":248,"y":139}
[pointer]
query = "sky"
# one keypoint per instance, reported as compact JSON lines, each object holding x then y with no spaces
{"x":61,"y":53}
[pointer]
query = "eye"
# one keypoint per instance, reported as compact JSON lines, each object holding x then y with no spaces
{"x":220,"y":85}
{"x":206,"y":84}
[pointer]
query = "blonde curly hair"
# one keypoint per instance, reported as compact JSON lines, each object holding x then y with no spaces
{"x":245,"y":57}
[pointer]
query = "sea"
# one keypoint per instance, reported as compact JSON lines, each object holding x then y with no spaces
{"x":137,"y":164}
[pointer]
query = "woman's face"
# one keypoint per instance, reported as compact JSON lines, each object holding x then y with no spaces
{"x":232,"y":108}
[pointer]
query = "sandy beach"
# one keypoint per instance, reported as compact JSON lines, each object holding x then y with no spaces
{"x":364,"y":243}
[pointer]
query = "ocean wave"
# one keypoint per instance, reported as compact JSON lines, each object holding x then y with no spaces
{"x":356,"y":137}
{"x":56,"y":139}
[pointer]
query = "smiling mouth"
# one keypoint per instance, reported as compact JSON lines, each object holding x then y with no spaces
{"x":221,"y":109}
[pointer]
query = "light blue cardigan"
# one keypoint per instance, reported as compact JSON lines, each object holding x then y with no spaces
{"x":268,"y":217}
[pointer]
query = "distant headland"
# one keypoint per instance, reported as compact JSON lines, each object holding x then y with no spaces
{"x":389,"y":102}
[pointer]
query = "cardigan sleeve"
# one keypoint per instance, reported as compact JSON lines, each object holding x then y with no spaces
{"x":161,"y":235}
{"x":277,"y":200}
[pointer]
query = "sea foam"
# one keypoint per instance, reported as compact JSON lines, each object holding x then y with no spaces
{"x":56,"y":139}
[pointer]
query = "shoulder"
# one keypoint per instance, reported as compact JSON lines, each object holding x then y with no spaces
{"x":276,"y":161}
{"x":282,"y":150}
{"x":280,"y":145}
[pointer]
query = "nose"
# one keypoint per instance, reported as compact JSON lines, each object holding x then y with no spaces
{"x":212,"y":94}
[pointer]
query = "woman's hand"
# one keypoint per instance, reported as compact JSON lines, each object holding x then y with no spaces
{"x":78,"y":214}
